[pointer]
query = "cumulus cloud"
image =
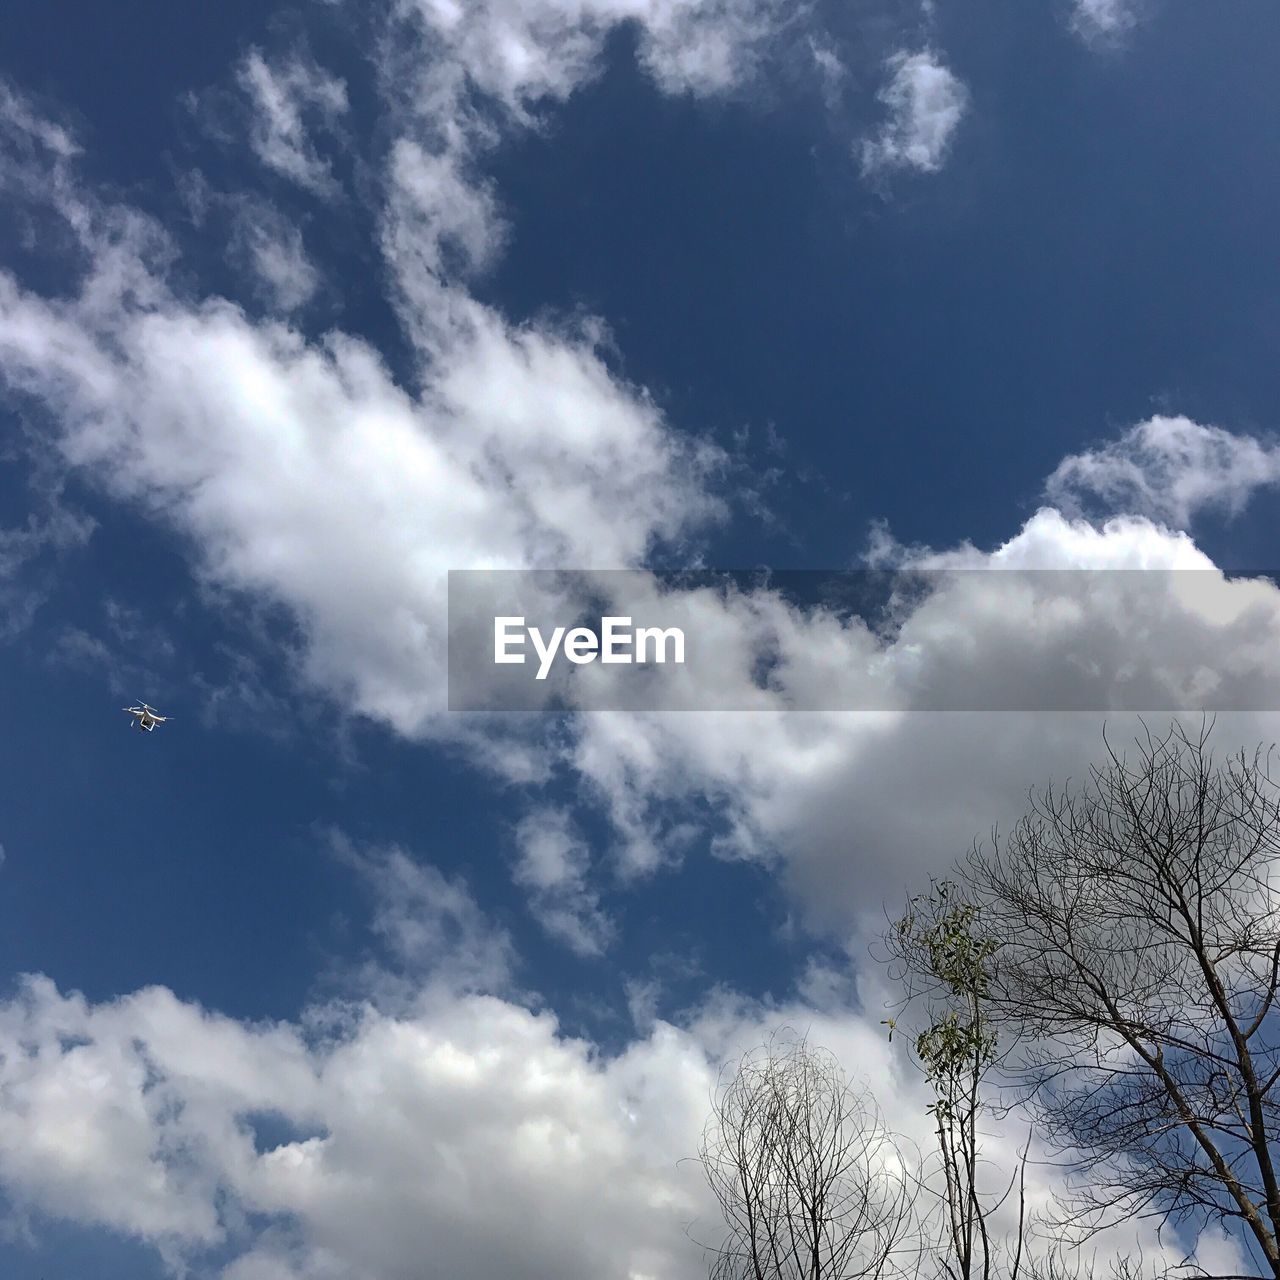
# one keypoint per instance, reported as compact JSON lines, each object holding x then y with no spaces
{"x":704,"y":47}
{"x":331,"y":490}
{"x":471,"y":1131}
{"x":850,"y":806}
{"x":356,"y":1142}
{"x":1169,"y":469}
{"x":93,"y":1129}
{"x":468,"y":1128}
{"x":282,"y":96}
{"x":925,"y":102}
{"x":441,"y":224}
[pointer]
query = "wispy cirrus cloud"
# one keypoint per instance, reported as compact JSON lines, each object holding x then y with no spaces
{"x":429,"y":923}
{"x":553,"y":867}
{"x":272,"y":249}
{"x":28,"y":553}
{"x":283,"y":96}
{"x":263,"y":244}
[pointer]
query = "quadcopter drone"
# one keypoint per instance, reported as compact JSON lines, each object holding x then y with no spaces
{"x":145,"y":717}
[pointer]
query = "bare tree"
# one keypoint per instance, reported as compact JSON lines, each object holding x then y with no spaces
{"x":811,"y":1184}
{"x":1134,"y":924}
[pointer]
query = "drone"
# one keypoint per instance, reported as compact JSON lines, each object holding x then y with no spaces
{"x":145,"y":717}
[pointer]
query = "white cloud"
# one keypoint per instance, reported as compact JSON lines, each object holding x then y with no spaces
{"x":262,"y":242}
{"x":1104,"y":20}
{"x":440,"y":223}
{"x":273,"y":250}
{"x":113,"y":1115}
{"x":330,"y":489}
{"x":523,"y":52}
{"x":854,"y":806}
{"x":1169,"y":469}
{"x":431,"y":925}
{"x":305,"y":476}
{"x":281,"y":97}
{"x":37,"y":133}
{"x":832,"y":73}
{"x":457,"y":77}
{"x":468,"y":1129}
{"x":50,"y":531}
{"x":303,"y":473}
{"x":926,"y":103}
{"x":553,"y":868}
{"x":696,"y":46}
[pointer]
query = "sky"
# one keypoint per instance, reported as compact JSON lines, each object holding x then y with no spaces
{"x":303,"y":306}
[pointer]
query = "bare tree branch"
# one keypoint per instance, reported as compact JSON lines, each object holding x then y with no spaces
{"x":811,"y":1184}
{"x":1134,"y":923}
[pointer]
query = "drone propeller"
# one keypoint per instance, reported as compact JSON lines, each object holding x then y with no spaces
{"x":144,"y":711}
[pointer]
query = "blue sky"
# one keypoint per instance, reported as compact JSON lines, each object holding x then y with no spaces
{"x":301,"y":307}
